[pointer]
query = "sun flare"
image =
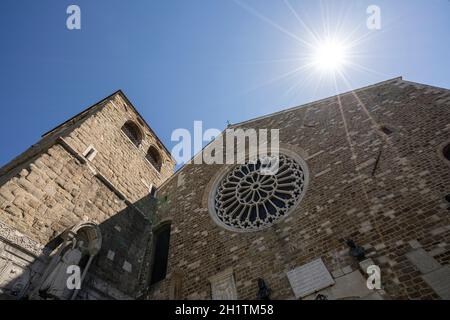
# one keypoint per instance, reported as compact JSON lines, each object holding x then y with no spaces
{"x":322,"y":55}
{"x":329,"y":56}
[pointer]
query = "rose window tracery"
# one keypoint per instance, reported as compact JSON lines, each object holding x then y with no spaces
{"x":246,"y":199}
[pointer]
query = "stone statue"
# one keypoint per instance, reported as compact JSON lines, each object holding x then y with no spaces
{"x":356,"y":251}
{"x":264,"y":291}
{"x":55,"y":285}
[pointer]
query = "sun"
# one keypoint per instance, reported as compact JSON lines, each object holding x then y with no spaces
{"x":329,"y":56}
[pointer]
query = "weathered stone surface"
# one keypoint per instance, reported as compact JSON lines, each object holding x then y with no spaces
{"x":439,"y":280}
{"x":51,"y":188}
{"x":223,"y":286}
{"x":310,"y":277}
{"x":387,"y":208}
{"x":422,"y":260}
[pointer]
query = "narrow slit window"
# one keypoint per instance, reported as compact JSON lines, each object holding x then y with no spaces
{"x":161,"y":253}
{"x":152,"y":190}
{"x":446,"y":152}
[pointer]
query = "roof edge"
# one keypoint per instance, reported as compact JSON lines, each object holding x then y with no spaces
{"x":316,"y":101}
{"x":176,"y":173}
{"x":81,"y":113}
{"x":99,"y":103}
{"x":145,"y":122}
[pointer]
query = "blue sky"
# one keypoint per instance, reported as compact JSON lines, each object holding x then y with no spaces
{"x":210,"y":60}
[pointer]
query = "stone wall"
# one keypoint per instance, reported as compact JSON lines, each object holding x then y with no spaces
{"x":120,"y":160}
{"x":52,"y":187}
{"x":384,"y":191}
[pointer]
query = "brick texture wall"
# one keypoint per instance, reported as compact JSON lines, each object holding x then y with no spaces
{"x":390,"y":210}
{"x":384,"y":191}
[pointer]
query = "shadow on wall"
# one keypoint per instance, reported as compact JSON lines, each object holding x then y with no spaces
{"x":114,"y":259}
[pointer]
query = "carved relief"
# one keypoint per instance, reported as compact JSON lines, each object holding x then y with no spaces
{"x":247,"y":199}
{"x":14,"y":280}
{"x":81,"y":243}
{"x":223,"y":286}
{"x":15,"y":271}
{"x":20,"y":259}
{"x":12,"y":235}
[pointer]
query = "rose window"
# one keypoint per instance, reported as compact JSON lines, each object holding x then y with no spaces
{"x":246,"y":199}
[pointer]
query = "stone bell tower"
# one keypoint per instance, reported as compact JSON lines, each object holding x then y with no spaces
{"x":82,"y":196}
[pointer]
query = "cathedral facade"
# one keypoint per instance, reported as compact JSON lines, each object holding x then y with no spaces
{"x":357,"y":209}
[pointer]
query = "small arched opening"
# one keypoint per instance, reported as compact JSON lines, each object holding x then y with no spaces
{"x":154,"y":158}
{"x":133,"y":132}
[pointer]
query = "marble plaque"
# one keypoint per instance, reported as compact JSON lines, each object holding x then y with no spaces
{"x":439,"y":280}
{"x":309,"y":278}
{"x":223,"y":286}
{"x":422,"y":260}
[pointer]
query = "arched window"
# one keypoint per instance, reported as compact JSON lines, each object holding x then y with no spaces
{"x":133,"y":132}
{"x":161,"y":240}
{"x":154,"y":158}
{"x":446,"y":152}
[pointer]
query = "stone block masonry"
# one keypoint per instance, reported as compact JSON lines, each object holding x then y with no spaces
{"x":52,"y":187}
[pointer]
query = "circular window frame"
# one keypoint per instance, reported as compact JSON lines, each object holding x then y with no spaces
{"x":229,"y":168}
